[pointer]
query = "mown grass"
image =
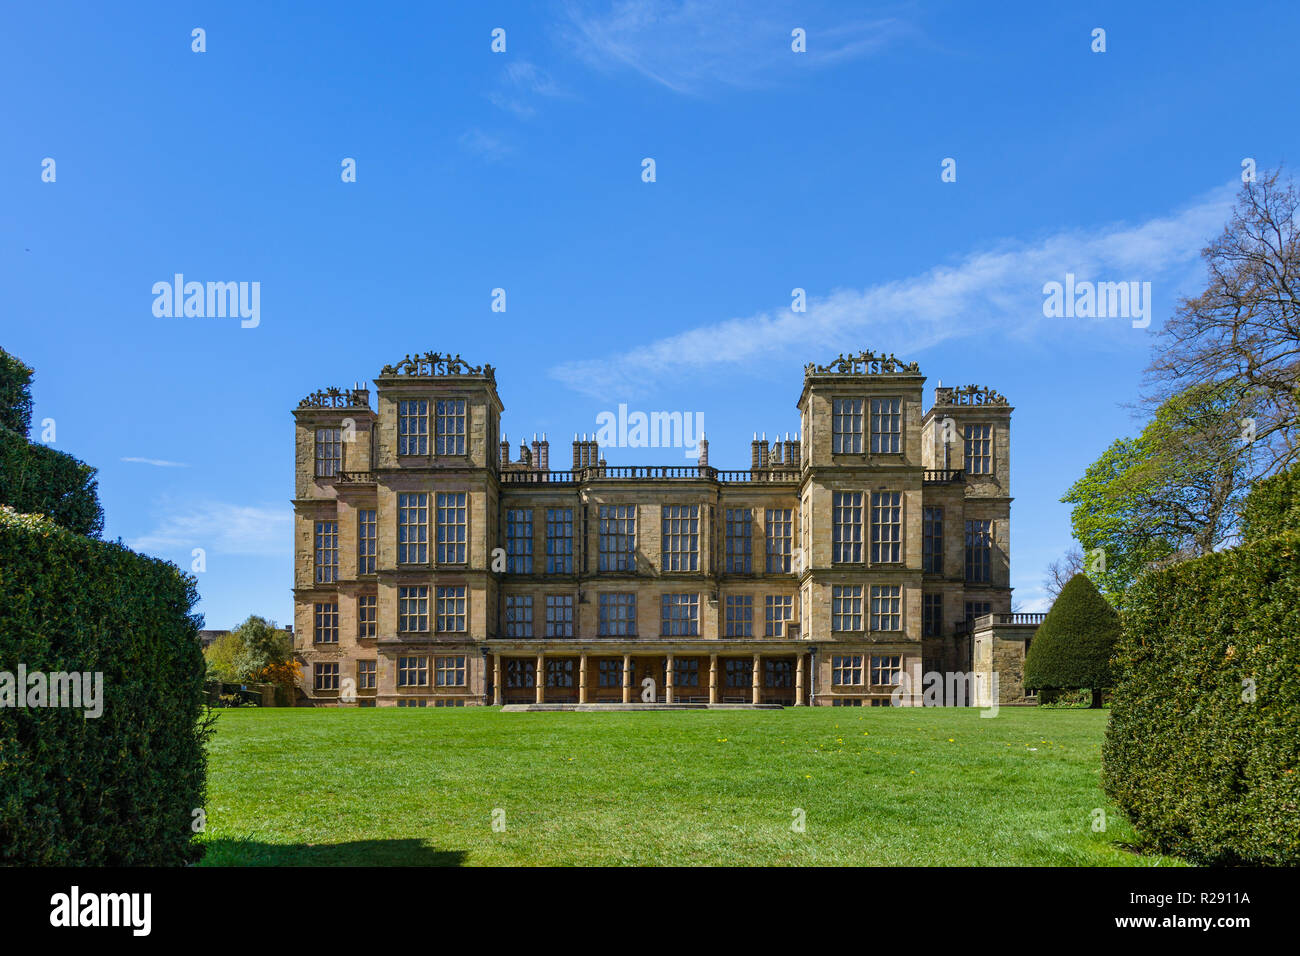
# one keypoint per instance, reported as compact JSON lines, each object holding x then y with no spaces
{"x":877,"y":786}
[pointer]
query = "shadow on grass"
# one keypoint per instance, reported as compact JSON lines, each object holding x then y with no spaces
{"x":355,"y":853}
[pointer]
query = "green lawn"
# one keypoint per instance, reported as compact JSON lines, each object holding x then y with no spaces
{"x":878,"y":786}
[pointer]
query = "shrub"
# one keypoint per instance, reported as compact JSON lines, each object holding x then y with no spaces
{"x":1273,"y":506}
{"x":119,"y":789}
{"x":15,"y":394}
{"x":1202,"y":752}
{"x":36,"y":479}
{"x":1072,"y":647}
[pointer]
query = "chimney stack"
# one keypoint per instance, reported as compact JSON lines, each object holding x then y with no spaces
{"x":704,"y":451}
{"x":763,"y":459}
{"x":537,"y":450}
{"x":505,"y":450}
{"x":577,"y":451}
{"x":753,"y":453}
{"x":544,"y":462}
{"x":791,"y":452}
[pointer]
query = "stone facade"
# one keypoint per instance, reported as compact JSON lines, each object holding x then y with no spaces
{"x":434,"y":568}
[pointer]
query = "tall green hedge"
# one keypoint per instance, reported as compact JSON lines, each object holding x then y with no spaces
{"x":1072,"y":647}
{"x":1273,"y":505}
{"x":1202,"y":752}
{"x":119,"y":789}
{"x":15,"y":394}
{"x":36,"y":479}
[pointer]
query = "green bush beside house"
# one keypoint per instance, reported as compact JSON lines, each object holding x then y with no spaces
{"x":1072,"y":647}
{"x":1202,"y":753}
{"x":122,"y":787}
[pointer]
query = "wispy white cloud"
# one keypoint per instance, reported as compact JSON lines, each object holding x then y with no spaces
{"x":692,"y":46}
{"x":522,"y":82}
{"x":219,"y":527}
{"x":157,"y":462}
{"x":993,"y":292}
{"x":485,"y":145}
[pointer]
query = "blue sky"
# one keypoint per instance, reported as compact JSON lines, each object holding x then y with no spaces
{"x":522,"y":170}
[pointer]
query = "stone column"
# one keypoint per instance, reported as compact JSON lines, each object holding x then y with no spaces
{"x":798,"y":680}
{"x":627,"y":678}
{"x":668,"y":679}
{"x":582,"y":678}
{"x":541,"y":679}
{"x":757,"y":694}
{"x":713,"y":678}
{"x":496,"y":679}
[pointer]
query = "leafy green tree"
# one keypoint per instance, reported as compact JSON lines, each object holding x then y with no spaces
{"x":251,"y":652}
{"x":1072,"y":647}
{"x":1174,"y":492}
{"x":268,"y":645}
{"x":228,"y":659}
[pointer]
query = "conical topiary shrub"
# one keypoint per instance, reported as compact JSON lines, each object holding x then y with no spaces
{"x":1072,"y":647}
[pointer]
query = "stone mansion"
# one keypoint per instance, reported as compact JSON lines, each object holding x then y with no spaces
{"x":433,"y":569}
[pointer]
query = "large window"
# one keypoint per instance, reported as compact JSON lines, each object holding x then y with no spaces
{"x":366,"y":675}
{"x":617,"y":538}
{"x":559,"y":540}
{"x":617,"y":615}
{"x":559,"y":672}
{"x":367,"y":615}
{"x":367,"y":540}
{"x":846,"y":607}
{"x":413,"y":672}
{"x":327,"y":552}
{"x":559,"y":615}
{"x":740,"y":540}
{"x":846,"y":527}
{"x":976,"y":609}
{"x":449,"y":671}
{"x":886,"y":669}
{"x":932,"y":540}
{"x":979,"y":449}
{"x":519,"y":541}
{"x":979,"y":551}
{"x":326,"y":623}
{"x":329,"y":452}
{"x":846,"y":426}
{"x":886,"y":426}
{"x":413,"y":608}
{"x":778,"y":612}
{"x":451,"y":609}
{"x":519,"y":615}
{"x":520,"y":673}
{"x":680,"y":615}
{"x":449,"y":434}
{"x":413,"y":428}
{"x":780,"y":538}
{"x":413,"y":529}
{"x":886,"y":527}
{"x":886,"y":613}
{"x":739,"y":673}
{"x":931,"y":615}
{"x":778,"y":672}
{"x":739,"y":615}
{"x":451,"y":528}
{"x":326,"y":675}
{"x":686,"y":672}
{"x":680,"y":537}
{"x":610,"y":673}
{"x":846,"y":670}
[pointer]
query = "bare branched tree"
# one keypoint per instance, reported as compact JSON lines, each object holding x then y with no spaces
{"x":1061,"y":570}
{"x":1243,"y":331}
